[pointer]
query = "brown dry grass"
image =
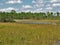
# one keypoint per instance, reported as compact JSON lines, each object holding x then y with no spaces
{"x":28,"y":34}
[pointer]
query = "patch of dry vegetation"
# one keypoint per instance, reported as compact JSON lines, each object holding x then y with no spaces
{"x":28,"y":34}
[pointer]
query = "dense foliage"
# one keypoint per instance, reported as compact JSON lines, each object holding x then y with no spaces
{"x":10,"y":16}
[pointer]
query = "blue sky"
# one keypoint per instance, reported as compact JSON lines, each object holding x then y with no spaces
{"x":30,"y":5}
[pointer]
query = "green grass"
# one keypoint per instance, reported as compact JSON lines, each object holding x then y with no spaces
{"x":28,"y":34}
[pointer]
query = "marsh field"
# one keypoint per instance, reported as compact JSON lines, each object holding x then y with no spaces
{"x":30,"y":34}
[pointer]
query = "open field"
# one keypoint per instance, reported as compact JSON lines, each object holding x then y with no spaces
{"x":29,"y":34}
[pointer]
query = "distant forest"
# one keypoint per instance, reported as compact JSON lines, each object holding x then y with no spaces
{"x":10,"y":16}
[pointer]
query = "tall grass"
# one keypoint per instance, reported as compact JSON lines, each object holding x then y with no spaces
{"x":28,"y":34}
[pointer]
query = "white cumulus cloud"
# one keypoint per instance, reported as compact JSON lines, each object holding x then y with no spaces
{"x":38,"y":3}
{"x":8,"y":9}
{"x":33,"y":1}
{"x":49,"y":8}
{"x":13,"y":1}
{"x":55,"y":1}
{"x":56,"y":4}
{"x":27,"y":6}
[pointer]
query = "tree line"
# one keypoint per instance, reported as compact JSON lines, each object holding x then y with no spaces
{"x":10,"y":16}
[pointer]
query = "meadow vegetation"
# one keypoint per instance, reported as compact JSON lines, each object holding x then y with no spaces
{"x":29,"y":34}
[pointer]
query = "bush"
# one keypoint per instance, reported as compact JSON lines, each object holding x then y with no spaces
{"x":4,"y":19}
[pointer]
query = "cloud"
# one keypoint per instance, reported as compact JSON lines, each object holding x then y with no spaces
{"x":55,"y":1}
{"x":8,"y":9}
{"x":37,"y":10}
{"x":38,"y":3}
{"x":56,"y":4}
{"x":49,"y":8}
{"x":26,"y":11}
{"x":33,"y":1}
{"x":27,"y":6}
{"x":13,"y":1}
